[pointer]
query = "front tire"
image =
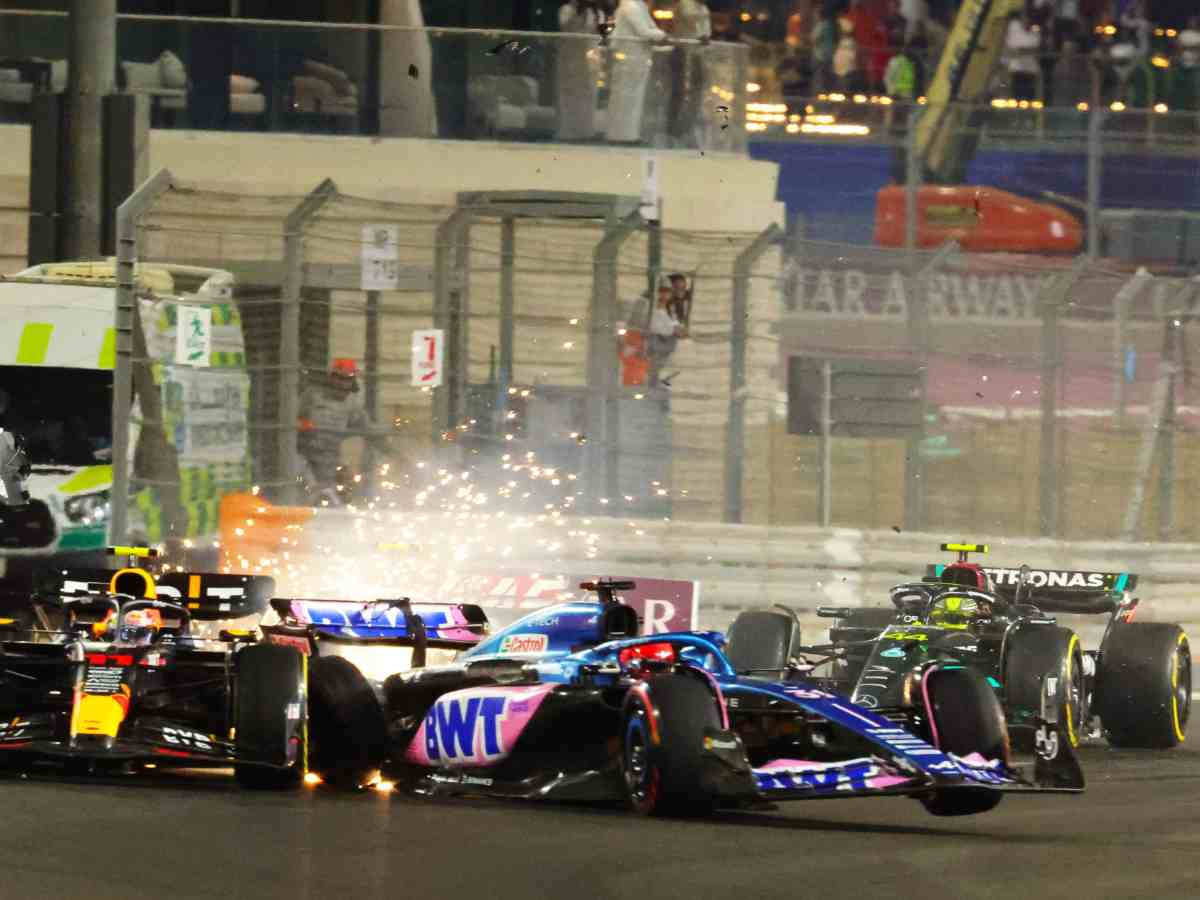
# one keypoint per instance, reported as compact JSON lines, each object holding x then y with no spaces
{"x":966,"y":718}
{"x":1145,"y":685}
{"x":662,"y":746}
{"x":1034,"y":652}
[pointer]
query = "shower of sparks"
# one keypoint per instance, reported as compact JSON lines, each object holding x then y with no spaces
{"x":419,"y":535}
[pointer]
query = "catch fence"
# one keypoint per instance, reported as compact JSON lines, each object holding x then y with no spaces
{"x":1058,"y":397}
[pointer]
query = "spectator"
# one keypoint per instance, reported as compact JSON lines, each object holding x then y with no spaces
{"x":681,"y":299}
{"x":847,"y":76}
{"x":914,"y":13}
{"x":1021,"y":43}
{"x":794,"y":73}
{"x":665,"y":331}
{"x":1131,"y":79}
{"x":329,"y":413}
{"x":1066,"y":25}
{"x":1072,"y":77}
{"x":903,"y":77}
{"x":1185,"y":74}
{"x":872,"y":40}
{"x":693,"y":23}
{"x":895,"y":27}
{"x":1136,"y":26}
{"x":801,"y":23}
{"x":576,"y":82}
{"x":632,"y":34}
{"x":824,"y":41}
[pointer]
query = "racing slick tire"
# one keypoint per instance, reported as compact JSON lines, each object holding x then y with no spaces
{"x":965,"y":718}
{"x":346,"y":723}
{"x":269,"y":678}
{"x":662,"y":745}
{"x":1033,"y":652}
{"x":1144,"y":686}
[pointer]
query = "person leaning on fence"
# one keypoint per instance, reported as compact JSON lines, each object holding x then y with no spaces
{"x":681,"y":298}
{"x":330,"y":412}
{"x":664,"y":333}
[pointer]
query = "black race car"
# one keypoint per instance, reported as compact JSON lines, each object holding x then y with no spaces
{"x":1135,"y":689}
{"x":106,"y":672}
{"x":115,"y":672}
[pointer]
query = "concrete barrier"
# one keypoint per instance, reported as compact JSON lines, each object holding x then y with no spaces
{"x":742,"y":566}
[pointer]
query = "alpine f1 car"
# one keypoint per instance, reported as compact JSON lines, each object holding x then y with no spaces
{"x":571,"y":703}
{"x":119,"y":671}
{"x":1135,"y":688}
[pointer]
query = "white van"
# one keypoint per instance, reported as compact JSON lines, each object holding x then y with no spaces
{"x":57,"y":351}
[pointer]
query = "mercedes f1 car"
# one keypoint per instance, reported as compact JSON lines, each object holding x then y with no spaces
{"x":570,"y":702}
{"x":1135,"y":688}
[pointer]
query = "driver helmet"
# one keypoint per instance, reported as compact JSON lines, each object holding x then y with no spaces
{"x":140,"y":626}
{"x":953,"y":611}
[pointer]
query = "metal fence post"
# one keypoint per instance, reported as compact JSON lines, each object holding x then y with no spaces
{"x":124,"y":314}
{"x":1160,"y":424}
{"x":289,"y":336}
{"x":735,"y":435}
{"x":1051,"y":299}
{"x":1121,"y":303}
{"x":449,"y":303}
{"x":506,"y":325}
{"x":920,"y":341}
{"x":1095,"y":162}
{"x":912,"y":181}
{"x":599,"y":456}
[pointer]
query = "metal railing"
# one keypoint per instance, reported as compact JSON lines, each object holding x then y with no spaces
{"x":262,"y":75}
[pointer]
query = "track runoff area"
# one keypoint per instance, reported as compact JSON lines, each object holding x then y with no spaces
{"x":196,"y":835}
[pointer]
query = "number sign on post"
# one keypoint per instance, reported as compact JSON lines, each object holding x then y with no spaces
{"x":427,"y":350}
{"x":380,"y":257}
{"x":193,"y":336}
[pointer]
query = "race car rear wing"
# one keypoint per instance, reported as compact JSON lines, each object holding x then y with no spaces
{"x":456,"y":624}
{"x":1058,"y":590}
{"x":208,"y":596}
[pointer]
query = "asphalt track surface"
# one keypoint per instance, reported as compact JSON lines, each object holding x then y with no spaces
{"x":1135,"y":833}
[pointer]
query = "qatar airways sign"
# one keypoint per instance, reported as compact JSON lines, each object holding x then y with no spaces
{"x":857,"y":293}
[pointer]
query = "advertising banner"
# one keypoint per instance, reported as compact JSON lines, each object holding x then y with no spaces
{"x":662,"y":604}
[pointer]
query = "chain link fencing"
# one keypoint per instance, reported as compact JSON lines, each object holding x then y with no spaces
{"x":1058,"y":394}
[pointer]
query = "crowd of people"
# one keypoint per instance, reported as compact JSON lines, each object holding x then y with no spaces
{"x":1059,"y":52}
{"x":1065,"y":53}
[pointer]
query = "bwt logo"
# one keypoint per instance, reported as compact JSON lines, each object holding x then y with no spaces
{"x":849,"y":777}
{"x":465,"y":730}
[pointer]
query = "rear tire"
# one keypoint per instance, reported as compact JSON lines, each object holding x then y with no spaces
{"x":665,"y":778}
{"x":346,"y":724}
{"x":269,"y":680}
{"x":1144,"y":685}
{"x":1039,"y":650}
{"x":967,"y":718}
